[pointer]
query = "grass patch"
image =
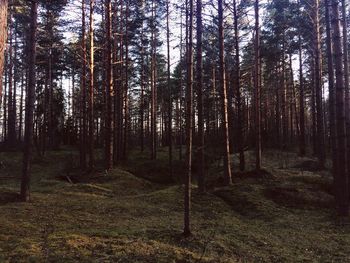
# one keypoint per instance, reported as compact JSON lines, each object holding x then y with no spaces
{"x":283,"y":215}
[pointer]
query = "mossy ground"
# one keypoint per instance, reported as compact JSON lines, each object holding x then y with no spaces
{"x":282,"y":215}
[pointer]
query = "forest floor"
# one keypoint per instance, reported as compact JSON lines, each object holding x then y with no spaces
{"x":135,"y":213}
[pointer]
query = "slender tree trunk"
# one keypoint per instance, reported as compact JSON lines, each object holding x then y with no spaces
{"x":189,"y":112}
{"x":153,"y":86}
{"x":170,"y":111}
{"x":301,"y":103}
{"x":20,"y":127}
{"x":11,"y":122}
{"x":199,"y":83}
{"x":29,"y":113}
{"x":83,"y":93}
{"x":332,"y":116}
{"x":142,"y":83}
{"x":347,"y":80}
{"x":240,"y":135}
{"x":257,"y":89}
{"x":224,"y":113}
{"x":321,"y":151}
{"x":3,"y":38}
{"x":341,"y":179}
{"x":91,"y":88}
{"x":109,"y":89}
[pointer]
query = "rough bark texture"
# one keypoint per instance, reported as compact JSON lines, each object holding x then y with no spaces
{"x":91,"y":88}
{"x":83,"y":93}
{"x":321,"y":151}
{"x":189,"y":112}
{"x":3,"y":36}
{"x":199,"y":88}
{"x":332,"y":116}
{"x":30,"y":99}
{"x":341,"y":178}
{"x":109,"y":89}
{"x":346,"y":79}
{"x":240,"y":134}
{"x":257,"y":89}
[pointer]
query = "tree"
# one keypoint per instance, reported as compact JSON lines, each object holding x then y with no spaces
{"x":30,"y":100}
{"x":189,"y":112}
{"x":240,"y":135}
{"x":224,"y":106}
{"x":321,"y":152}
{"x":257,"y":88}
{"x":91,"y":88}
{"x":332,"y":116}
{"x":83,"y":91}
{"x":3,"y":37}
{"x":109,"y":89}
{"x":199,"y":88}
{"x":341,"y":178}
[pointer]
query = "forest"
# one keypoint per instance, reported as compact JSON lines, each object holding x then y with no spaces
{"x":174,"y":131}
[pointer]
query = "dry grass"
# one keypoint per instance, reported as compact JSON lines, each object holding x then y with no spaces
{"x":284,"y":216}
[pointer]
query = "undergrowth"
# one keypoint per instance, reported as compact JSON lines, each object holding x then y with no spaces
{"x":134,"y":213}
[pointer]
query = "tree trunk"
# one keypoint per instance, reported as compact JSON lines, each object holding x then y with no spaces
{"x":30,"y":99}
{"x":240,"y":135}
{"x":301,"y":103}
{"x":257,"y":89}
{"x":3,"y":36}
{"x":83,"y":94}
{"x":189,"y":112}
{"x":199,"y":88}
{"x":321,"y":151}
{"x":153,"y":87}
{"x":346,"y":79}
{"x":91,"y":87}
{"x":332,"y":116}
{"x":341,"y":178}
{"x":109,"y":90}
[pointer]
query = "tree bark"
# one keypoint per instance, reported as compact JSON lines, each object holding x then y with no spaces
{"x":91,"y":87}
{"x":199,"y":88}
{"x":30,"y":99}
{"x":341,"y":178}
{"x":109,"y":90}
{"x":189,"y":112}
{"x":332,"y":116}
{"x":240,"y":135}
{"x":3,"y":38}
{"x":257,"y":89}
{"x":83,"y":93}
{"x":321,"y":151}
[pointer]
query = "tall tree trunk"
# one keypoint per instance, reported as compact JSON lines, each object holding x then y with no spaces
{"x":224,"y":113}
{"x":332,"y":116}
{"x":3,"y":37}
{"x":29,"y":113}
{"x":189,"y":112}
{"x":321,"y":151}
{"x":257,"y":89}
{"x":83,"y":93}
{"x":20,"y":127}
{"x":346,"y":79}
{"x":153,"y":86}
{"x":341,"y":178}
{"x":301,"y":102}
{"x":170,"y":111}
{"x":109,"y":89}
{"x":240,"y":135}
{"x":91,"y":87}
{"x":142,"y":83}
{"x":199,"y":88}
{"x":11,"y":122}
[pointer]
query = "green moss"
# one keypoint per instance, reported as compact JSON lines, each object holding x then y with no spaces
{"x":286,"y":216}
